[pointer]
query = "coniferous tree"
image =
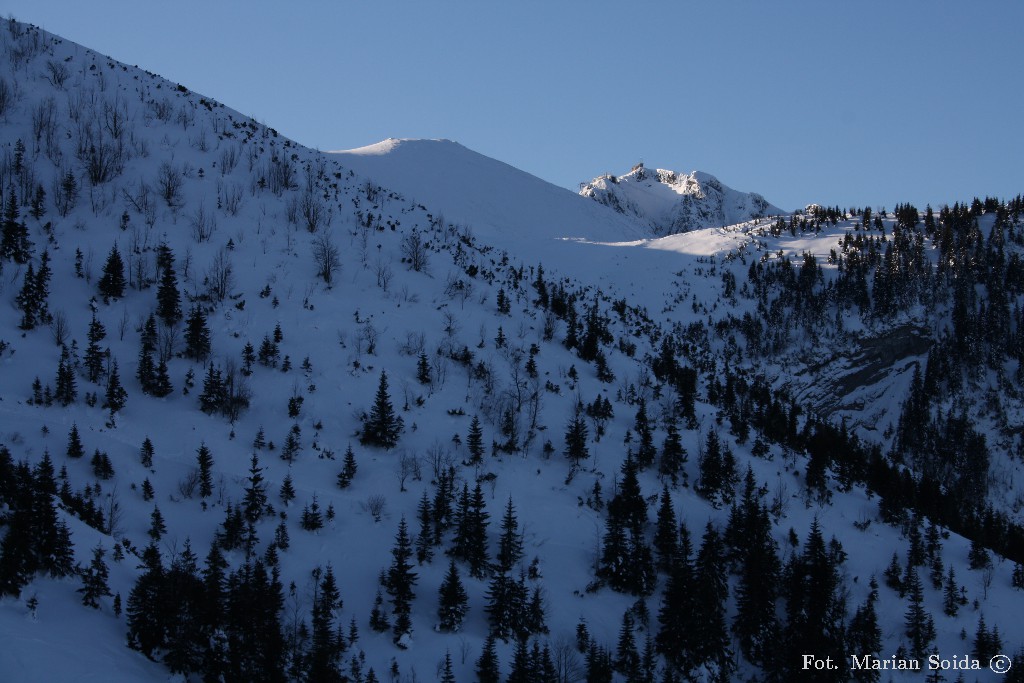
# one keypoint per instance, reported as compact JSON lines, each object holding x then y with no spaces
{"x":423,"y":369}
{"x":382,"y":427}
{"x":673,"y":455}
{"x":627,"y":658}
{"x":66,"y":387}
{"x":146,"y":605}
{"x":453,"y":601}
{"x":576,"y":440}
{"x":646,"y":450}
{"x":400,"y":581}
{"x":167,"y":296}
{"x":487,"y":670}
{"x":14,"y":243}
{"x":116,"y":396}
{"x":146,"y":453}
{"x":864,"y":637}
{"x":711,"y":589}
{"x":27,"y":300}
{"x":204,"y":459}
{"x":255,"y":500}
{"x":287,"y":493}
{"x":112,"y":283}
{"x":378,"y":618}
{"x":94,"y":355}
{"x":75,"y":448}
{"x":327,"y":645}
{"x":475,"y":442}
{"x":348,"y":469}
{"x":197,"y":335}
{"x":665,"y":540}
{"x":157,"y":527}
{"x":425,"y":538}
{"x":920,"y":629}
{"x":510,"y":545}
{"x":815,"y":604}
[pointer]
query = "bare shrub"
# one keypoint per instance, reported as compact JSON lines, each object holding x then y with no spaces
{"x":326,"y":257}
{"x":376,"y":505}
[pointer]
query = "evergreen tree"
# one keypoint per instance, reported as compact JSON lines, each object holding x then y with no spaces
{"x":117,"y":397}
{"x":378,"y":619}
{"x":487,"y":670}
{"x":642,"y":427}
{"x":157,"y":527}
{"x":382,"y":427}
{"x":423,"y":369}
{"x":326,"y":645}
{"x":287,"y":493}
{"x":475,"y":442}
{"x":711,"y":589}
{"x":920,"y":630}
{"x":400,"y":581}
{"x":197,"y":335}
{"x":673,"y":455}
{"x":665,"y":542}
{"x":146,"y":453}
{"x":627,"y":659}
{"x":94,"y":355}
{"x":75,"y":448}
{"x":204,"y":459}
{"x":424,"y":540}
{"x":864,"y":637}
{"x":510,"y":545}
{"x":576,"y":440}
{"x":255,"y":500}
{"x":348,"y":469}
{"x":66,"y":390}
{"x":628,"y":506}
{"x":146,"y":605}
{"x":112,"y":283}
{"x":14,"y":242}
{"x":167,"y":296}
{"x":453,"y":602}
{"x":27,"y":300}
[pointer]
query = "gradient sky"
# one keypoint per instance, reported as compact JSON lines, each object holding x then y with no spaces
{"x":847,"y":103}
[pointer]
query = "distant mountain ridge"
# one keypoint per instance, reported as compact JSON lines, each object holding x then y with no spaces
{"x":668,"y":202}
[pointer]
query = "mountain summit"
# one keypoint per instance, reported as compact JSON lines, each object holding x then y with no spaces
{"x":670,"y":202}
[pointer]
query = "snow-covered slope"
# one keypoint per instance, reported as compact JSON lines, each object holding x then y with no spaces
{"x":437,"y":255}
{"x":504,"y":205}
{"x":669,"y":202}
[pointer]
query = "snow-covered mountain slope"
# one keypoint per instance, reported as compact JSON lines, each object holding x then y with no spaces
{"x":669,"y":202}
{"x":335,"y":276}
{"x":505,"y":206}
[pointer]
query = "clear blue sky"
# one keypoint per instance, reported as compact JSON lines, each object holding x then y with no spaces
{"x":846,"y":103}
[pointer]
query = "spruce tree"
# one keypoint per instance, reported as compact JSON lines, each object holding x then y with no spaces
{"x":400,"y":581}
{"x":146,"y":453}
{"x":116,"y":395}
{"x":646,"y":451}
{"x":711,"y":589}
{"x":452,"y":599}
{"x":348,"y":469}
{"x":382,"y":427}
{"x":197,"y":335}
{"x":665,"y":541}
{"x":327,"y":645}
{"x":864,"y":636}
{"x":94,"y":355}
{"x":673,"y":455}
{"x":167,"y":296}
{"x":423,"y":369}
{"x":112,"y":283}
{"x":920,"y":629}
{"x":75,"y":448}
{"x":204,"y":459}
{"x":255,"y":500}
{"x":66,"y":387}
{"x":475,"y":442}
{"x":576,"y":440}
{"x":487,"y":670}
{"x":510,"y":545}
{"x":425,"y":538}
